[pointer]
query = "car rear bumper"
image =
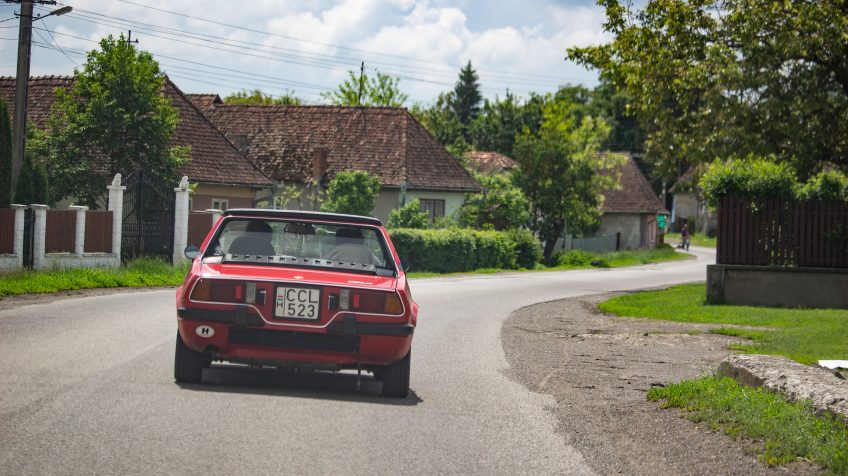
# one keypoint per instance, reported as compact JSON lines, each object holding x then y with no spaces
{"x":241,"y":337}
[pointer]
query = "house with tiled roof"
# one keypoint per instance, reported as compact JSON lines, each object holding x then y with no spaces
{"x":489,"y":162}
{"x":689,"y":205}
{"x":224,"y":177}
{"x":303,"y":145}
{"x":630,"y":210}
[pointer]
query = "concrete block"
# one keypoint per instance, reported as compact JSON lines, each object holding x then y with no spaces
{"x":821,"y":387}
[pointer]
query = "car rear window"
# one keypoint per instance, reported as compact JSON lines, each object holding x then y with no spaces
{"x":294,"y":242}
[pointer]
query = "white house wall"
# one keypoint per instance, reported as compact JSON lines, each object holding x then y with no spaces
{"x":628,"y":224}
{"x":453,"y":200}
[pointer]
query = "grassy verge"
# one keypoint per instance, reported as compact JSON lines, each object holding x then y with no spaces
{"x":788,"y":430}
{"x":582,"y":260}
{"x":141,"y":272}
{"x":577,"y":259}
{"x":804,"y":335}
{"x":698,"y":239}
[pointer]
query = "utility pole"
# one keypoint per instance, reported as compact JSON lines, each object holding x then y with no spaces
{"x":22,"y":79}
{"x":361,"y":83}
{"x":21,"y":83}
{"x":129,"y":38}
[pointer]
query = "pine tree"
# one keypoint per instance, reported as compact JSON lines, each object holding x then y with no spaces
{"x":5,"y":156}
{"x":466,"y":96}
{"x":32,"y":186}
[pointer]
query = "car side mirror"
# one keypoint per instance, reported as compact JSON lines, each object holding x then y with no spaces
{"x":405,"y":264}
{"x":191,"y":252}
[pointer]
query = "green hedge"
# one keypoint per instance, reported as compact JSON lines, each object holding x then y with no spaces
{"x":455,"y":249}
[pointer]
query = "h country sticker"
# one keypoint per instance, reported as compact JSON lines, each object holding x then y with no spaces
{"x":204,"y":331}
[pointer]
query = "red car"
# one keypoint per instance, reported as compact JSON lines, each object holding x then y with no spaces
{"x":296,"y":289}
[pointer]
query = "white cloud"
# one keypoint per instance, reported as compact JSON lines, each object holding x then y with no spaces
{"x":424,"y":42}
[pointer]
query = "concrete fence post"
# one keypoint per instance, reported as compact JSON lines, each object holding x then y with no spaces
{"x":116,"y":206}
{"x":216,"y":214}
{"x":18,"y":246}
{"x":79,"y":239}
{"x":39,"y":236}
{"x":181,"y":220}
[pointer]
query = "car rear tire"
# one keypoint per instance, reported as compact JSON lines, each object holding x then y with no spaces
{"x":396,"y":378}
{"x":188,"y":364}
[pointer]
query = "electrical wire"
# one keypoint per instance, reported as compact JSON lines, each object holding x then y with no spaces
{"x":501,"y":76}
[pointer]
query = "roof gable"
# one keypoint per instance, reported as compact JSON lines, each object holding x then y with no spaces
{"x":489,"y":162}
{"x":213,"y":158}
{"x":634,"y":194}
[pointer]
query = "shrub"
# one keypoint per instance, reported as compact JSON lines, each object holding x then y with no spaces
{"x":750,"y":177}
{"x":409,"y":216}
{"x":578,"y":258}
{"x":527,"y":247}
{"x":354,"y":192}
{"x":830,"y":185}
{"x":457,"y":249}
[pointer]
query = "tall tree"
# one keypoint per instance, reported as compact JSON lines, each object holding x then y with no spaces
{"x":441,"y":121}
{"x":559,"y":171}
{"x":5,"y":156}
{"x":466,"y":96}
{"x":500,"y":122}
{"x":364,"y":90}
{"x":718,"y":78}
{"x":257,"y":97}
{"x":113,"y":119}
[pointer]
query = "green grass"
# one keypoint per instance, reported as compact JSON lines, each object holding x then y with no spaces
{"x":581,"y":260}
{"x":138,"y":273}
{"x":804,"y":335}
{"x":698,"y":239}
{"x":578,"y":259}
{"x":788,"y":430}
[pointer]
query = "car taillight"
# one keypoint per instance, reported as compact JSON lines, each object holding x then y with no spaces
{"x":367,"y":302}
{"x":219,"y":290}
{"x":202,"y":291}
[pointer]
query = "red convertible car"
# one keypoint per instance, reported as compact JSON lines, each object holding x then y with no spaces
{"x":296,"y":289}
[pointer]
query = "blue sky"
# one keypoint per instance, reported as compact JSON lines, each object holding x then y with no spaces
{"x":305,"y":47}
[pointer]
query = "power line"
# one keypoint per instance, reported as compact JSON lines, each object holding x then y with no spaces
{"x":491,"y":74}
{"x":37,"y":30}
{"x":358,"y":50}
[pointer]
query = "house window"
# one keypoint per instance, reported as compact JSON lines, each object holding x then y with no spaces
{"x":220,"y":203}
{"x":434,"y":208}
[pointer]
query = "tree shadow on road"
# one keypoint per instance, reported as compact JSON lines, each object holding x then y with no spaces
{"x":288,"y":383}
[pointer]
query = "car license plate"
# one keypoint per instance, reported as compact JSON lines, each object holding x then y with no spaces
{"x":298,"y":303}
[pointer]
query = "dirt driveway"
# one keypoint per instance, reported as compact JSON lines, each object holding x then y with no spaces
{"x":599,"y":367}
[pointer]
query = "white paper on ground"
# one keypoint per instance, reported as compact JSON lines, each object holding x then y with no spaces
{"x":834,"y":364}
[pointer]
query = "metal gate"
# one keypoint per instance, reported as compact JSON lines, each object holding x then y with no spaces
{"x":148,"y":222}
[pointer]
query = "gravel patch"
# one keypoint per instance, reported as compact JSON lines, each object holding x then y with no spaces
{"x":599,"y":367}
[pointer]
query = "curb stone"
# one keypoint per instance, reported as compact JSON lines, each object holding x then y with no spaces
{"x":821,"y":387}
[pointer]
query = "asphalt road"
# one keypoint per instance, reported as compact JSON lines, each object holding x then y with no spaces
{"x":86,"y":386}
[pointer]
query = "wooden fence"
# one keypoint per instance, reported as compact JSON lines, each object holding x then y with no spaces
{"x":61,"y":231}
{"x":7,"y":230}
{"x":199,"y":224}
{"x":98,"y":232}
{"x":779,"y":232}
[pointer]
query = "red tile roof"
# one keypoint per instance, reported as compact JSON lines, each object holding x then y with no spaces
{"x":688,"y":178}
{"x":213,"y":158}
{"x":634,"y":195}
{"x":386,"y":142}
{"x":204,"y":101}
{"x":490,"y":161}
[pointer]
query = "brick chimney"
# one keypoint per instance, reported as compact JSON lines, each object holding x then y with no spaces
{"x":319,"y":164}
